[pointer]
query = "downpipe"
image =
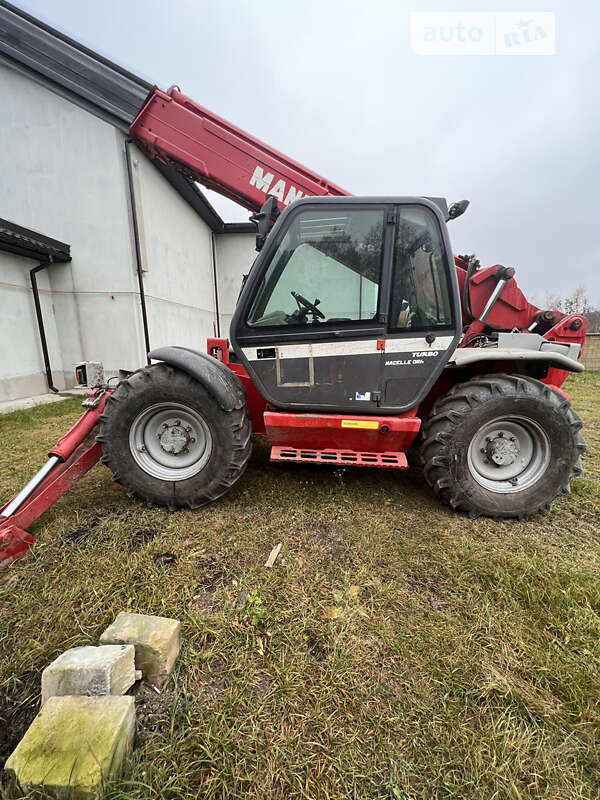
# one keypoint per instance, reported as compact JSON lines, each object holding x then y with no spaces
{"x":40,"y":321}
{"x":137,"y":244}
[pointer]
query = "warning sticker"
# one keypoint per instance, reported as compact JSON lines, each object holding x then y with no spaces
{"x":369,"y":424}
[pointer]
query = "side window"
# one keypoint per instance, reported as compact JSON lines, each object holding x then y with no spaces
{"x":420,"y":291}
{"x":326,"y":269}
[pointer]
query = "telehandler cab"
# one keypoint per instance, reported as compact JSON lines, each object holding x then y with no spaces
{"x":357,"y":336}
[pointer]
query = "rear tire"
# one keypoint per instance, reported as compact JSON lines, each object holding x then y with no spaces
{"x":167,"y":440}
{"x":501,"y":446}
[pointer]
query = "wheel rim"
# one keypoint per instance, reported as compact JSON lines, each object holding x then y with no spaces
{"x":509,"y":454}
{"x":170,"y":441}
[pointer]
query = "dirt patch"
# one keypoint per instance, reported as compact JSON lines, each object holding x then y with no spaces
{"x":327,"y":543}
{"x":14,"y":721}
{"x":84,"y":532}
{"x":208,"y":604}
{"x":212,"y":578}
{"x":164,"y":559}
{"x":140,"y":539}
{"x":211,"y":692}
{"x":336,"y":546}
{"x":97,"y":529}
{"x":262,"y":687}
{"x":213,"y":685}
{"x":316,"y":648}
{"x":212,"y":572}
{"x":428,"y":590}
{"x":152,"y":708}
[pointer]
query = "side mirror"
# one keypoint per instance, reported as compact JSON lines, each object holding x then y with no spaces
{"x":264,"y":219}
{"x":456,"y":209}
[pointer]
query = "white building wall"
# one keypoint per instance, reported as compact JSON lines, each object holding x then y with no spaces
{"x":64,"y":175}
{"x":235,"y":255}
{"x":177,"y":258}
{"x":20,"y":348}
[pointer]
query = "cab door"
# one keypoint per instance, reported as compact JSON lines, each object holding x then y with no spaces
{"x":423,"y":306}
{"x":309,"y":319}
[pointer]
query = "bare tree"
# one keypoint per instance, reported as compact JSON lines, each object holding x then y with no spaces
{"x":576,"y":303}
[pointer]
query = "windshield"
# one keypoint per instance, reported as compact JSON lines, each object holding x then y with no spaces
{"x":326,"y":269}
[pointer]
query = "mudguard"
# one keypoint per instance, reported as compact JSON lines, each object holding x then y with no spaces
{"x":470,"y":355}
{"x":218,"y":380}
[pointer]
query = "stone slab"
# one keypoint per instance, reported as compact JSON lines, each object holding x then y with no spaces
{"x":109,"y":669}
{"x":156,"y":641}
{"x":74,"y":745}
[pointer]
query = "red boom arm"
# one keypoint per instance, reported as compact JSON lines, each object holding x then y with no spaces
{"x":217,"y":154}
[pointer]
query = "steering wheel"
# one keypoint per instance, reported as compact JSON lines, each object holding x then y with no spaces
{"x":306,"y":306}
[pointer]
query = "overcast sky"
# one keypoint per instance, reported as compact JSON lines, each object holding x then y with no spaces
{"x":335,"y":85}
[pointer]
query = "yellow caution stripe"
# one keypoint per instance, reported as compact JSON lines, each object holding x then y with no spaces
{"x":369,"y":424}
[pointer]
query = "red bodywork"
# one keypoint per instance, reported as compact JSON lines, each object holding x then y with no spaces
{"x":512,"y":310}
{"x":342,"y":431}
{"x":174,"y":129}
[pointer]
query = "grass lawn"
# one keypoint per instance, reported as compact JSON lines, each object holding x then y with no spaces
{"x":396,"y":650}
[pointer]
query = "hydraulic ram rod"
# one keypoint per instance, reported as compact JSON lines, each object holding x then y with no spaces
{"x":20,"y":498}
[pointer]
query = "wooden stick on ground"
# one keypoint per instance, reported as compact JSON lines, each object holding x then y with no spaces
{"x":273,"y":555}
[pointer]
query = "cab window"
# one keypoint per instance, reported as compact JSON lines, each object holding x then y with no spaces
{"x":420,"y":298}
{"x":326,"y":269}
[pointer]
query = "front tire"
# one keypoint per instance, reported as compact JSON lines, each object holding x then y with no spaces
{"x":501,"y":446}
{"x":167,"y":440}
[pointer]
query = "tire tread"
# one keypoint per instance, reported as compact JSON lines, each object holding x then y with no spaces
{"x":450,"y":410}
{"x":238,"y":421}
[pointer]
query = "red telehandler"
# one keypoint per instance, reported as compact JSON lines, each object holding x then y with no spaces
{"x":357,"y":335}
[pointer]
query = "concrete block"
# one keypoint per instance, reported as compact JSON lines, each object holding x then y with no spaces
{"x":156,"y":640}
{"x":109,"y":669}
{"x":74,"y":745}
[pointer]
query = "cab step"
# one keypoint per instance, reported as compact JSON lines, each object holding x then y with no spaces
{"x":347,"y":458}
